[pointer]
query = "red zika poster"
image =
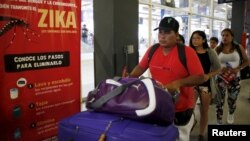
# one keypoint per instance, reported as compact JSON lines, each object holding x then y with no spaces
{"x":39,"y":67}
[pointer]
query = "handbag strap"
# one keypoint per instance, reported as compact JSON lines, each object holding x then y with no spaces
{"x":118,"y":90}
{"x":116,"y":78}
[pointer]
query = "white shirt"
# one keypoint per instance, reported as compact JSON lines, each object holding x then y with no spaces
{"x":232,"y":58}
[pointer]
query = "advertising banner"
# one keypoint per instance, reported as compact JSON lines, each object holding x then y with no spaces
{"x":39,"y":67}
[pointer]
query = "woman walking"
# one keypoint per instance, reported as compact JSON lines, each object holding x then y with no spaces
{"x":233,"y":58}
{"x":211,"y":67}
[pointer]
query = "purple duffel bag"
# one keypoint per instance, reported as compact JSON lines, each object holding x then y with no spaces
{"x":140,"y":99}
{"x":95,"y":126}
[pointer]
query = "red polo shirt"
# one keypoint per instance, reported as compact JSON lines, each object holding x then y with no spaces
{"x":166,"y":68}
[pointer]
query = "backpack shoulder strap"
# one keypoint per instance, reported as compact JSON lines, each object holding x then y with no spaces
{"x":152,"y":50}
{"x":182,"y":55}
{"x":237,"y":47}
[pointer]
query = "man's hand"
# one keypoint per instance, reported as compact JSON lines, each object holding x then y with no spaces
{"x":173,"y":86}
{"x":160,"y":84}
{"x":206,"y":77}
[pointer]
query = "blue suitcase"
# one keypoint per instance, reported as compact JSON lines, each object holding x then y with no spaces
{"x":93,"y":126}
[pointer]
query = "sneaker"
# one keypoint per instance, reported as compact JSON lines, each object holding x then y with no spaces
{"x":230,"y":118}
{"x":201,"y":138}
{"x":219,"y":122}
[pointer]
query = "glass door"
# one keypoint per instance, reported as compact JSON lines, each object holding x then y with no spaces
{"x":87,"y":48}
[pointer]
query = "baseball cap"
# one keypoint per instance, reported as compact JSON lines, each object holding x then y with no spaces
{"x":168,"y":24}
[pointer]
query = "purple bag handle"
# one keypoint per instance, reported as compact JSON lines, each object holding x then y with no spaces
{"x":118,"y":90}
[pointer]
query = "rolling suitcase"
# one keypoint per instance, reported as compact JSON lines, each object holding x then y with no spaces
{"x":94,"y":126}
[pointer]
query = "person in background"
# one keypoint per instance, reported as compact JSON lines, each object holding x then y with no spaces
{"x":85,"y":34}
{"x":229,"y":53}
{"x":166,"y":68}
{"x":213,"y":42}
{"x":181,"y":39}
{"x":211,"y":67}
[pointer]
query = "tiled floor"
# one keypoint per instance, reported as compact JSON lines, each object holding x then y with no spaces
{"x":242,"y":113}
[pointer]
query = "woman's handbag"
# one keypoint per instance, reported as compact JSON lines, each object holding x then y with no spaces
{"x":135,"y":98}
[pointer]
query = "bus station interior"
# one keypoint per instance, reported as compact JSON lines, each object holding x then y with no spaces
{"x":117,"y":25}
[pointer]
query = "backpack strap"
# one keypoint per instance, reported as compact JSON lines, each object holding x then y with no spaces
{"x":237,"y":47}
{"x":152,"y":51}
{"x":181,"y":53}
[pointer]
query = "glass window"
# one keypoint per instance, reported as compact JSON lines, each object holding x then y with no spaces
{"x":218,"y":26}
{"x":143,"y":34}
{"x":159,"y":1}
{"x":87,"y":48}
{"x":182,"y":3}
{"x":169,"y":3}
{"x":183,"y":30}
{"x":201,"y":7}
{"x":144,"y":1}
{"x":200,"y":23}
{"x":223,"y":11}
{"x":172,"y":3}
{"x":87,"y":22}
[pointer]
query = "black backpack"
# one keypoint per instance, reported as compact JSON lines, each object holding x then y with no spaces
{"x":181,"y":53}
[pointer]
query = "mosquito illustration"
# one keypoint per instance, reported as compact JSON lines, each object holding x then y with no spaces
{"x":13,"y":23}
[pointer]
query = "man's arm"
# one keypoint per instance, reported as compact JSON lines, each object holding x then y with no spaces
{"x":191,"y":80}
{"x":196,"y":74}
{"x":137,"y":71}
